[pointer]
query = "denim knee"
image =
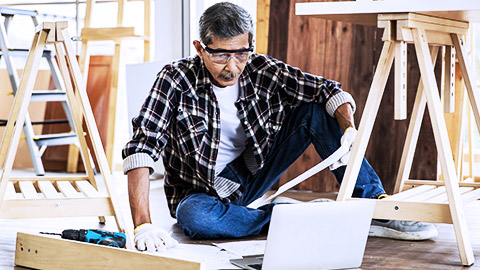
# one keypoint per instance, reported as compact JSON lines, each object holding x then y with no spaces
{"x":193,"y":215}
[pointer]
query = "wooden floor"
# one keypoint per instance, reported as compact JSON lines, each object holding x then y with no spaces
{"x":439,"y":253}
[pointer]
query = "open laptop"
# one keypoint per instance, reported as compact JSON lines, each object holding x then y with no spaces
{"x":326,"y":235}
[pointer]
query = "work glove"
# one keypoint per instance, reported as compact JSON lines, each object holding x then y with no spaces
{"x":151,"y":238}
{"x":347,"y":138}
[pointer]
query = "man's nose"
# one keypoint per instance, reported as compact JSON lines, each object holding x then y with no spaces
{"x":231,"y":65}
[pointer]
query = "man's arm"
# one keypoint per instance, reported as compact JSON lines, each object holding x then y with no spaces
{"x":344,"y":116}
{"x":138,"y":194}
{"x":147,"y":236}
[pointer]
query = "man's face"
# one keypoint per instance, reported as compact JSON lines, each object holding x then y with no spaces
{"x":224,"y":74}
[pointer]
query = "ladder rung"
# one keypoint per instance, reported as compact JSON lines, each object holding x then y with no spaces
{"x":24,"y":52}
{"x":56,"y":139}
{"x":14,"y":11}
{"x":44,"y":122}
{"x":48,"y":95}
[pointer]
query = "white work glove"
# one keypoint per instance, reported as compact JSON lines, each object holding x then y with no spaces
{"x":347,"y":138}
{"x":151,"y":238}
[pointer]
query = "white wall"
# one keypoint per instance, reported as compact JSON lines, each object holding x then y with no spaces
{"x":168,"y":30}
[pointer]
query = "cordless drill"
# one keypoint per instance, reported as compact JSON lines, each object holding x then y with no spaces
{"x":112,"y":239}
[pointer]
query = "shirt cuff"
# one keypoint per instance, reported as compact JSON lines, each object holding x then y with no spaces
{"x":337,"y":100}
{"x":138,"y":160}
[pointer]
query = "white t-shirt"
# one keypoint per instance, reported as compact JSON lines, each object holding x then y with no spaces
{"x":232,"y":136}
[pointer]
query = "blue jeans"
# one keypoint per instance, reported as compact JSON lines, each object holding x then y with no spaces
{"x":204,"y":216}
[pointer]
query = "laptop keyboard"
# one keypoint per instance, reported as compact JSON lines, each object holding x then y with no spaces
{"x":257,"y":266}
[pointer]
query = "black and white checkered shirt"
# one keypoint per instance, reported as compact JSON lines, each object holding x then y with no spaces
{"x":180,"y":119}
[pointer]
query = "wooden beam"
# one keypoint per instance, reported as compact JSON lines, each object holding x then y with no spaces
{"x":400,"y":80}
{"x":444,"y":151}
{"x":439,"y":183}
{"x":413,"y":211}
{"x":263,"y":17}
{"x":47,"y":208}
{"x":366,"y":123}
{"x":48,"y":252}
{"x":108,"y":33}
{"x":449,"y":84}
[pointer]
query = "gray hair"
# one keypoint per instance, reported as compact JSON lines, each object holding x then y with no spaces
{"x":225,"y":20}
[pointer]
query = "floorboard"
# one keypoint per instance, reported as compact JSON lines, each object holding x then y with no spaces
{"x":439,"y":253}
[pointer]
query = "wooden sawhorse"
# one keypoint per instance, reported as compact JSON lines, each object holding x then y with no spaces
{"x":431,"y":201}
{"x":47,"y":196}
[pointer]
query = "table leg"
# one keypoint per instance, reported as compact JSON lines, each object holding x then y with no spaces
{"x":366,"y":123}
{"x":443,"y":146}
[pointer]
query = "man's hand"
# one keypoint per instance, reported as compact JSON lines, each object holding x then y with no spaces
{"x":347,"y":138}
{"x":151,"y":238}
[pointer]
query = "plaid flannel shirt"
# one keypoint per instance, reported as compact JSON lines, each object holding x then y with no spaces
{"x":180,"y":121}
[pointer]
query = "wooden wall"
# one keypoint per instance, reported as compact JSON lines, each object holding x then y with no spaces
{"x":348,"y":53}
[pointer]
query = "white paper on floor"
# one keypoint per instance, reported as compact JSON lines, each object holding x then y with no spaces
{"x":211,"y":256}
{"x":244,"y":248}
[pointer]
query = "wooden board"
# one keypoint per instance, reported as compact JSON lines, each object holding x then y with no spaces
{"x":47,"y":252}
{"x":365,"y":12}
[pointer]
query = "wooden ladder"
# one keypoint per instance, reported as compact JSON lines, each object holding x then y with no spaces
{"x":63,"y":196}
{"x":116,"y":34}
{"x":429,"y":201}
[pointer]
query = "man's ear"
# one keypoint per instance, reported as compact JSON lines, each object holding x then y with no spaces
{"x":199,"y":48}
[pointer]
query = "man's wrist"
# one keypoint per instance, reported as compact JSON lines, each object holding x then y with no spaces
{"x":139,"y":226}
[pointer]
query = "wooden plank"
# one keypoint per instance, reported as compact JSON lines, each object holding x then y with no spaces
{"x":49,"y":190}
{"x":366,"y":124}
{"x":409,"y":193}
{"x":68,"y":190}
{"x":443,"y":147}
{"x":147,"y":29}
{"x":441,"y":183}
{"x":263,"y":16}
{"x":471,"y":196}
{"x":365,"y":12}
{"x":444,"y":198}
{"x":426,"y":196}
{"x":64,"y":207}
{"x":76,"y":111}
{"x":400,"y":80}
{"x":413,"y":211}
{"x":449,"y":84}
{"x":454,"y":120}
{"x":44,"y":252}
{"x":28,"y":190}
{"x":48,"y":178}
{"x":87,"y":189}
{"x":112,"y":104}
{"x":11,"y":193}
{"x":120,"y":12}
{"x":108,"y":33}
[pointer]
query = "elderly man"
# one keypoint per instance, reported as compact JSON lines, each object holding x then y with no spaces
{"x":228,"y":122}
